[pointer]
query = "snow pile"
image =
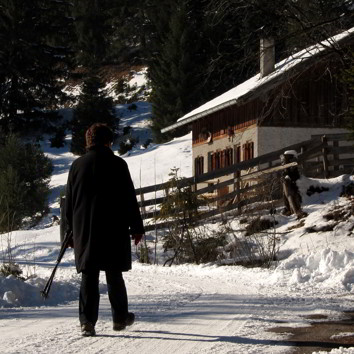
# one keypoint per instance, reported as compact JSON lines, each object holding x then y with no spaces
{"x":16,"y":292}
{"x":327,"y":267}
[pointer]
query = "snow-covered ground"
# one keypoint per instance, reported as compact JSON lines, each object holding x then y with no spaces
{"x":185,"y":308}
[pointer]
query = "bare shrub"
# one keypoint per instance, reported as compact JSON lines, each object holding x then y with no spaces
{"x":251,"y":247}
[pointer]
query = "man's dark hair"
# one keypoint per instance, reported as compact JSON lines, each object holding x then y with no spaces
{"x":98,"y":134}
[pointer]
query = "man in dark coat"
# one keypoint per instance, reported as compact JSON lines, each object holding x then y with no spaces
{"x":102,"y":211}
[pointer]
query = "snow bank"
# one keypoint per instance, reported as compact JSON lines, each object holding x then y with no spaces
{"x":16,"y":292}
{"x":328,"y":267}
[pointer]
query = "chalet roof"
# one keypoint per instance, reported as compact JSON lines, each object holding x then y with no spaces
{"x":256,"y":85}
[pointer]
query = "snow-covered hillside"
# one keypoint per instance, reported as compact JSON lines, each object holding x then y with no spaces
{"x":186,"y":308}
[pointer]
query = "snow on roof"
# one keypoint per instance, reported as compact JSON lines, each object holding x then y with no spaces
{"x":236,"y":94}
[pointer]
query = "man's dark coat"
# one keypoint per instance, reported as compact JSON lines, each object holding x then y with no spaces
{"x":102,"y":211}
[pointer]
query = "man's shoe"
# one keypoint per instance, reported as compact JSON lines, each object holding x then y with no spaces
{"x":88,"y":329}
{"x":119,"y":326}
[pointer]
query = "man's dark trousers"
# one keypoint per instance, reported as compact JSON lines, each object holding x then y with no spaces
{"x":90,"y":296}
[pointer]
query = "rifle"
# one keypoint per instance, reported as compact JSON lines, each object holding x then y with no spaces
{"x":64,"y":246}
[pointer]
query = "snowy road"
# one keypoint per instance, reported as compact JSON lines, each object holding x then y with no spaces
{"x":179,"y":310}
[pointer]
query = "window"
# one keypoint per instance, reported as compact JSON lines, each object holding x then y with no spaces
{"x":199,"y":165}
{"x":220,"y":159}
{"x":248,"y":151}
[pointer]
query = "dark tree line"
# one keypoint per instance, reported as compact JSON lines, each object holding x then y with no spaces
{"x":33,"y":57}
{"x":195,"y":49}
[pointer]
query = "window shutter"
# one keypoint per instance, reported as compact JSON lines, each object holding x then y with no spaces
{"x":210,"y":154}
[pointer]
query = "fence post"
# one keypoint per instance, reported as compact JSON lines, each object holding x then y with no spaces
{"x":325,"y":157}
{"x":143,"y":209}
{"x":336,"y":155}
{"x":237,"y":185}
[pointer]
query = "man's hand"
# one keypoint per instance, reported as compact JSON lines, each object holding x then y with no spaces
{"x":137,"y":238}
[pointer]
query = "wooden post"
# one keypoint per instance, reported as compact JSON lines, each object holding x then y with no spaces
{"x":336,"y":155}
{"x":325,"y":157}
{"x":143,"y":209}
{"x":303,"y":163}
{"x":237,"y":180}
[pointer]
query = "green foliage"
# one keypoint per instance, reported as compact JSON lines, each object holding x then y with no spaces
{"x":24,"y":179}
{"x":92,"y":31}
{"x":129,"y":30}
{"x":177,"y":70}
{"x":94,"y":106}
{"x":34,"y":61}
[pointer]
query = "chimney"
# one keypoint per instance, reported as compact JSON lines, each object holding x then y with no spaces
{"x":267,"y":56}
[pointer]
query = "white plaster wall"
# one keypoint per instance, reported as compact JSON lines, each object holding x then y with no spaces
{"x":274,"y":138}
{"x":240,"y":138}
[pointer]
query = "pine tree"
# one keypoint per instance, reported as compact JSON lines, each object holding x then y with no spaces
{"x":34,"y":60}
{"x":94,"y":106}
{"x":129,"y":31}
{"x":93,"y":31}
{"x":175,"y":68}
{"x":24,"y":180}
{"x":93,"y":42}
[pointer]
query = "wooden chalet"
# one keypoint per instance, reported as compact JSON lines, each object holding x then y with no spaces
{"x":284,"y":104}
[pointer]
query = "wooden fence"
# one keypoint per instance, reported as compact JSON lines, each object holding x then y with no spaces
{"x":255,"y":180}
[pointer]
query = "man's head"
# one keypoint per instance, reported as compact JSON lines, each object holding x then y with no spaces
{"x":98,"y":134}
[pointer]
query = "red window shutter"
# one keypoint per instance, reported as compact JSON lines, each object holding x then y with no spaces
{"x":223,"y":158}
